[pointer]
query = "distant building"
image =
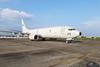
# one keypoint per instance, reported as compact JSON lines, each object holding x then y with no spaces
{"x":12,"y":34}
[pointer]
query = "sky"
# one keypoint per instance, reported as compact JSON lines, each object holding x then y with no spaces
{"x":84,"y":15}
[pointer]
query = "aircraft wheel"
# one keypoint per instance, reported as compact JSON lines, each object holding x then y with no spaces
{"x":69,"y":41}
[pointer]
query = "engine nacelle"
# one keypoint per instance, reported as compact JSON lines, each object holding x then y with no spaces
{"x":31,"y":37}
{"x":35,"y":37}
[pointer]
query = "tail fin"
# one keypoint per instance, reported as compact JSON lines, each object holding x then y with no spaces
{"x":24,"y":29}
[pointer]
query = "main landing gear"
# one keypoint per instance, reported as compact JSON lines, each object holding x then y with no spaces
{"x":68,"y":41}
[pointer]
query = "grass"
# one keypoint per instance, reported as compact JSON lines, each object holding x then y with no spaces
{"x":87,"y":38}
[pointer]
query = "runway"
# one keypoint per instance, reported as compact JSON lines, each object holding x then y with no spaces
{"x":26,"y":53}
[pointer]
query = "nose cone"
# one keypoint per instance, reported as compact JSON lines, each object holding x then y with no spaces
{"x":80,"y":33}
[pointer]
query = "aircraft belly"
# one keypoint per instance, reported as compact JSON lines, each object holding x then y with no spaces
{"x":53,"y":36}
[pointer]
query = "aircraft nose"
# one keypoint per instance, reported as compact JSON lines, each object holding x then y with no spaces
{"x":80,"y":33}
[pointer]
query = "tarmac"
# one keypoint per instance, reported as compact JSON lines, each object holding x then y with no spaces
{"x":26,"y":53}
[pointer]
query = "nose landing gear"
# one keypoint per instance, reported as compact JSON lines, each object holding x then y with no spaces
{"x":69,"y":40}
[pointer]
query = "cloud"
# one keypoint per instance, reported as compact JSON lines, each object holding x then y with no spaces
{"x":92,"y":24}
{"x":10,"y":14}
{"x":11,"y":19}
{"x":91,"y":28}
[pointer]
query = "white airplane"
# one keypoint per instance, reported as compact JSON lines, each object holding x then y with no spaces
{"x":68,"y":33}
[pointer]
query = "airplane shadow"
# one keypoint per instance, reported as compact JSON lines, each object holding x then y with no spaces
{"x":62,"y":40}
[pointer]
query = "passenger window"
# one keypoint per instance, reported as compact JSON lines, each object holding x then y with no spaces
{"x":71,"y":29}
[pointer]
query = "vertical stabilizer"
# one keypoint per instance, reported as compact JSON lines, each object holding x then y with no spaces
{"x":24,"y":29}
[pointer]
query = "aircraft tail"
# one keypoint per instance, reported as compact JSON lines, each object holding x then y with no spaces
{"x":24,"y":29}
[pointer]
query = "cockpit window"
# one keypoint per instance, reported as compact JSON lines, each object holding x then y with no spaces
{"x":71,"y":29}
